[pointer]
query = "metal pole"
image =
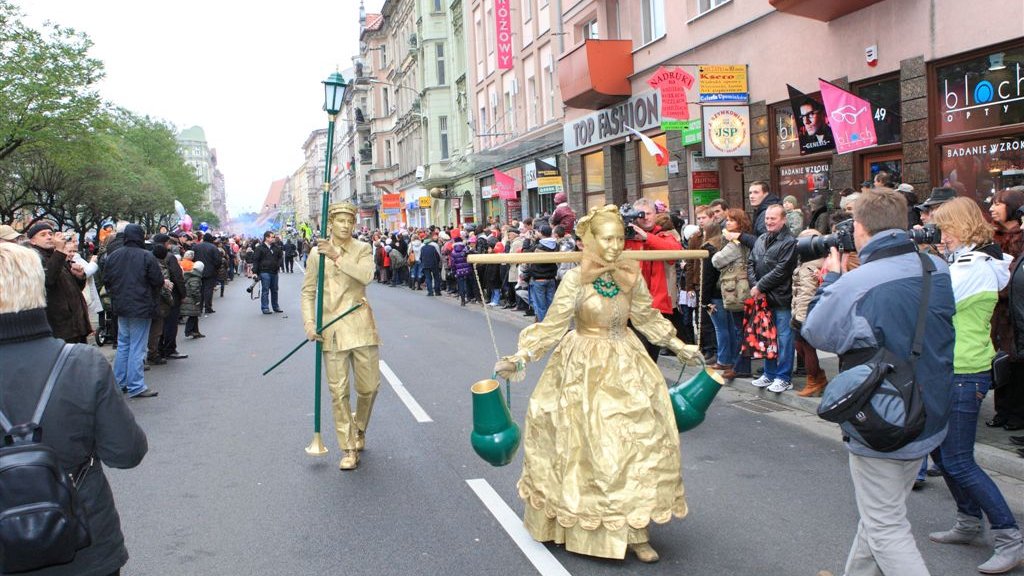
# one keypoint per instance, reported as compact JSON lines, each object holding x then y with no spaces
{"x":312,"y":449}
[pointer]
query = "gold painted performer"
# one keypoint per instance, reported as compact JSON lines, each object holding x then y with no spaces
{"x":352,"y":341}
{"x":601,"y":445}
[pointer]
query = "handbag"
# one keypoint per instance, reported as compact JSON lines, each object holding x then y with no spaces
{"x":735,"y":287}
{"x":1000,"y":370}
{"x":760,"y":337}
{"x":879,"y":402}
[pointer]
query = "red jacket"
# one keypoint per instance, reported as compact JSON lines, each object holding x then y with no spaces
{"x":654,"y":272}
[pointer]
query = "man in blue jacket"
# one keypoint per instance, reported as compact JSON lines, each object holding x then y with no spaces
{"x":133,"y":278}
{"x":869,"y":307}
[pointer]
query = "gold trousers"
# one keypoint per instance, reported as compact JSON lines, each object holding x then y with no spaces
{"x":365,"y":362}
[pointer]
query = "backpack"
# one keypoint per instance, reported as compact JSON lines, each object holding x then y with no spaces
{"x":41,"y":521}
{"x":880,"y":402}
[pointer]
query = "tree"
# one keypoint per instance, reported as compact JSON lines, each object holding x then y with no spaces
{"x":47,"y":83}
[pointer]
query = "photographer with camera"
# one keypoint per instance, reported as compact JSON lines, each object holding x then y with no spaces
{"x":643,"y":234}
{"x":856,"y":314}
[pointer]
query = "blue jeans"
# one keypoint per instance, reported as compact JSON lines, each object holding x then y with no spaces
{"x":417,"y":270}
{"x":132,"y":347}
{"x":463,"y":284}
{"x":742,"y":364}
{"x":782,"y":367}
{"x":268,"y":289}
{"x":433,"y":276}
{"x":725,"y":334}
{"x":397,"y":275}
{"x":542,"y":292}
{"x":495,"y":296}
{"x":972,"y":489}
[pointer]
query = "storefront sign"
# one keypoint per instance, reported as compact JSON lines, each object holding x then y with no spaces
{"x":726,"y":131}
{"x":801,"y":180}
{"x":723,"y":84}
{"x":672,"y":84}
{"x":978,"y":168}
{"x":984,"y":92}
{"x":641,"y":112}
{"x":503,"y":29}
{"x":391,"y":201}
{"x":530,"y":175}
{"x":692,"y":133}
{"x":424,"y":201}
{"x":486,"y":192}
{"x":549,"y":179}
{"x":704,"y":182}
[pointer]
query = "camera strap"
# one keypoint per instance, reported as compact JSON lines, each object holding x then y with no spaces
{"x":890,"y":251}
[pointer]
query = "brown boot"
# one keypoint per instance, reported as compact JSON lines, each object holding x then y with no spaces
{"x":815,"y":385}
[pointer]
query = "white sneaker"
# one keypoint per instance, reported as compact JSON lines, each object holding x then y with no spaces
{"x":762,"y":381}
{"x":779,"y":385}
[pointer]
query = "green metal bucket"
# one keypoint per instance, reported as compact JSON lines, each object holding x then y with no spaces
{"x":495,"y":437}
{"x":691,"y":399}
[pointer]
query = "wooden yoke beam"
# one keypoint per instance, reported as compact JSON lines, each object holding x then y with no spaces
{"x":559,"y":257}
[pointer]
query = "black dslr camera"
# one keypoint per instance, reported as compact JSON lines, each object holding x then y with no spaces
{"x":814,"y":247}
{"x":927,"y":234}
{"x":629,"y":216}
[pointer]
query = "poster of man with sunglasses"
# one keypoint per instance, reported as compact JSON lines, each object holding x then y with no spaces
{"x":812,"y":124}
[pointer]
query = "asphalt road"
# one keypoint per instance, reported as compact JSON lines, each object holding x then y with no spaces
{"x":227,"y":488}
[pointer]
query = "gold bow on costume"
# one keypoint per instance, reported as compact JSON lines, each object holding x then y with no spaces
{"x":624,"y":272}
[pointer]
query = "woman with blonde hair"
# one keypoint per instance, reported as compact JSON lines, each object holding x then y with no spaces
{"x":601,"y":445}
{"x":978,"y":272}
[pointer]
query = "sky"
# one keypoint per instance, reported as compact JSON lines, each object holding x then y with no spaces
{"x":248,"y":73}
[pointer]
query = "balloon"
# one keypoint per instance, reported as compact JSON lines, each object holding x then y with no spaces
{"x":179,"y":208}
{"x":186,"y":223}
{"x":204,"y":226}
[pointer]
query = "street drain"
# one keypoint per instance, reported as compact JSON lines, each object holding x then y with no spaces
{"x":758,"y":406}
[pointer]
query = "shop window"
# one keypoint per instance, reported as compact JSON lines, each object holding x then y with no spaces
{"x":884,"y":97}
{"x":979,"y":168}
{"x":986,"y":91}
{"x":787,"y":139}
{"x":593,"y":180}
{"x":653,"y":178}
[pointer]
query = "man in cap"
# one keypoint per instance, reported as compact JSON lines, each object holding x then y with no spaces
{"x":8,"y":234}
{"x":66,"y":310}
{"x":907,"y":190}
{"x":353,"y":341}
{"x":938,"y":197}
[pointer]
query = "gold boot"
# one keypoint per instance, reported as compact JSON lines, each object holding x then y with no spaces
{"x":350,"y":461}
{"x":644,"y":552}
{"x":360,"y":440}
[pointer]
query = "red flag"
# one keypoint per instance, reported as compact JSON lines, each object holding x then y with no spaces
{"x":506,"y":185}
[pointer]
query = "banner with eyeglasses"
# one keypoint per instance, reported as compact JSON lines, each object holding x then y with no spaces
{"x":812,"y":123}
{"x":850,"y":117}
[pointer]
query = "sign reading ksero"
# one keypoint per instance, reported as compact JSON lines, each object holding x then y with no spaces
{"x":723,"y":83}
{"x":726,"y":131}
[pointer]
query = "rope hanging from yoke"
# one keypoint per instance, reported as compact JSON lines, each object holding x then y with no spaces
{"x":494,"y":340}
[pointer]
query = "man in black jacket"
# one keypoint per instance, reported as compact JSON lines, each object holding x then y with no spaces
{"x":770,"y":273}
{"x":133,"y":278}
{"x":208,"y":253}
{"x":169,"y":338}
{"x":266,"y":262}
{"x":86,"y":416}
{"x":542,"y":277}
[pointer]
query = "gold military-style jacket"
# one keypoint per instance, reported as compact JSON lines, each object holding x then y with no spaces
{"x":345,"y":282}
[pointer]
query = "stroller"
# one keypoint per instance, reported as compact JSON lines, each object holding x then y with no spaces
{"x":106,"y":330}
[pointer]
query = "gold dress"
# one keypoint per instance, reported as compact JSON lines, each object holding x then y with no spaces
{"x":601,"y":446}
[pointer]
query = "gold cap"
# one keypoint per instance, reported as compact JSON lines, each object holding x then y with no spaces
{"x":346,"y":207}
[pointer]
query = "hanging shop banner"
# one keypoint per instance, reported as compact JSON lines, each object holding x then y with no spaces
{"x":812,"y":123}
{"x":486,"y":192}
{"x":642,"y":112}
{"x":505,"y":184}
{"x":503,"y":33}
{"x":549,"y":179}
{"x":723,"y":84}
{"x":726,"y":131}
{"x":672,"y":84}
{"x":391,"y":201}
{"x":851,"y":118}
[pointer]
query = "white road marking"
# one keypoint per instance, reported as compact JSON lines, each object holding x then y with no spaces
{"x":541,"y":558}
{"x":410,"y":402}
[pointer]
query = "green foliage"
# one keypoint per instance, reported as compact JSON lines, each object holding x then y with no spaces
{"x":68,"y":157}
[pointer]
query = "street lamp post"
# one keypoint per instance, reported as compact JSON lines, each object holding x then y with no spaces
{"x":334,"y":92}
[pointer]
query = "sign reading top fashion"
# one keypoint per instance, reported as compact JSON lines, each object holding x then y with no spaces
{"x":641,"y":112}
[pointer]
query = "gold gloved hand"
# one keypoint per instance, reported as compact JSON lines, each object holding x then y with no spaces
{"x":511,"y":368}
{"x":330,"y":251}
{"x":690,"y":354}
{"x":311,"y":332}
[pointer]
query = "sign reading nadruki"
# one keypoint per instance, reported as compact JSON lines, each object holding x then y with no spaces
{"x":726,"y":131}
{"x":673,"y":84}
{"x":503,"y":29}
{"x":723,"y":83}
